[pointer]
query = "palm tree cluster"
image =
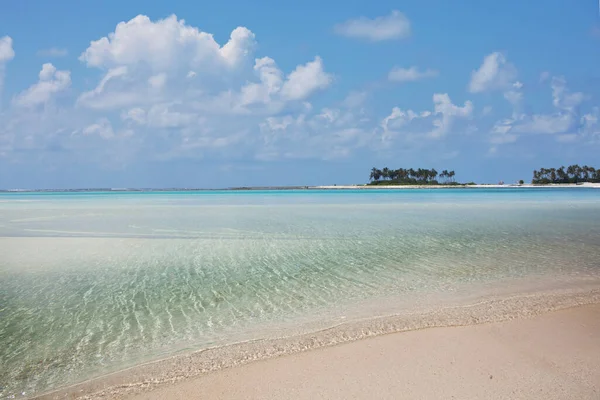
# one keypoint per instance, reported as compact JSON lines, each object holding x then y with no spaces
{"x":571,"y":174}
{"x":402,"y":176}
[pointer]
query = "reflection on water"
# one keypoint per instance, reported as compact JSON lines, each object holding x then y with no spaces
{"x":90,"y":284}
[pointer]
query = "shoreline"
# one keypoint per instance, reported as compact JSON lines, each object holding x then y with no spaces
{"x":181,"y":368}
{"x":555,"y":355}
{"x":300,"y":188}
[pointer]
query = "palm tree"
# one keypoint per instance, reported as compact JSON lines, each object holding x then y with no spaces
{"x":585,"y":171}
{"x":392,"y":174}
{"x":433,"y":174}
{"x":451,"y":176}
{"x":385,"y":172}
{"x":401,"y":174}
{"x":562,"y":176}
{"x":412,"y":173}
{"x":444,"y":175}
{"x":572,"y":171}
{"x":375,"y":174}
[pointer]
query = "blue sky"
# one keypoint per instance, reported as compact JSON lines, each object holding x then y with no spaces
{"x":189,"y":94}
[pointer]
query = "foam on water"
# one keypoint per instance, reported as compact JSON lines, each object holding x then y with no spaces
{"x":94,"y":283}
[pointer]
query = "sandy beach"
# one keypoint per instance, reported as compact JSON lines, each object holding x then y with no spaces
{"x":552,"y":356}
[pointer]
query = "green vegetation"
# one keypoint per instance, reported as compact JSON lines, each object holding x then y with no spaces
{"x":571,"y":174}
{"x":411,"y":176}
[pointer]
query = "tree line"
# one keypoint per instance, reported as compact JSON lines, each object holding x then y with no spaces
{"x":402,"y":176}
{"x":570,"y":174}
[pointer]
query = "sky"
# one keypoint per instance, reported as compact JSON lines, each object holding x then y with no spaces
{"x":209,"y":94}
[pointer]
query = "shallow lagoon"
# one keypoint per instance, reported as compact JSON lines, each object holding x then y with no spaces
{"x":94,"y":282}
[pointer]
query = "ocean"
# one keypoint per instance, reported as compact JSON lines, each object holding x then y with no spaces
{"x":92,"y":283}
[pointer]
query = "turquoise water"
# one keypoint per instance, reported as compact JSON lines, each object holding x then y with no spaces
{"x":94,"y":282}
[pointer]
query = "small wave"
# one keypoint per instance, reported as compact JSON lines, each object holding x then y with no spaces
{"x":151,"y":375}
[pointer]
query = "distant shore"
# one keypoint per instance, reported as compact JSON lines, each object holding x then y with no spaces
{"x":321,"y":187}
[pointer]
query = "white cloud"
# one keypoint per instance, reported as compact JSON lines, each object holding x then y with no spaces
{"x":546,"y":123}
{"x":165,"y":44}
{"x":589,"y":125}
{"x":102,"y":128}
{"x":51,"y":81}
{"x":6,"y":50}
{"x":163,"y":116}
{"x":306,"y":79}
{"x":513,"y":97}
{"x":393,"y":26}
{"x":98,"y":97}
{"x":447,"y":112}
{"x":561,"y":98}
{"x":561,"y":123}
{"x":137,"y":115}
{"x":495,"y":73}
{"x":151,"y":63}
{"x":562,"y":120}
{"x":328,"y":134}
{"x":53,"y":52}
{"x":399,"y":118}
{"x":398,"y":74}
{"x":439,"y":121}
{"x":271,"y":80}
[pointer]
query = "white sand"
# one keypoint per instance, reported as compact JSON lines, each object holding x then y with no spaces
{"x":553,"y":356}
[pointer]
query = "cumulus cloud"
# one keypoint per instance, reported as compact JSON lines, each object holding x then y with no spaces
{"x":165,"y":44}
{"x":393,"y":26}
{"x":306,"y":79}
{"x":51,"y":81}
{"x":298,"y":85}
{"x":589,"y":126}
{"x":165,"y":61}
{"x":447,"y":112}
{"x":514,"y":95}
{"x":562,"y":99}
{"x":564,"y":118}
{"x":271,"y":80}
{"x":329,"y":134}
{"x":398,"y":74}
{"x":439,"y":121}
{"x":53,"y":52}
{"x":495,"y":73}
{"x":99,"y":98}
{"x":562,"y":122}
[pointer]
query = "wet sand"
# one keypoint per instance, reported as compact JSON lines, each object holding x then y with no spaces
{"x":552,"y":356}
